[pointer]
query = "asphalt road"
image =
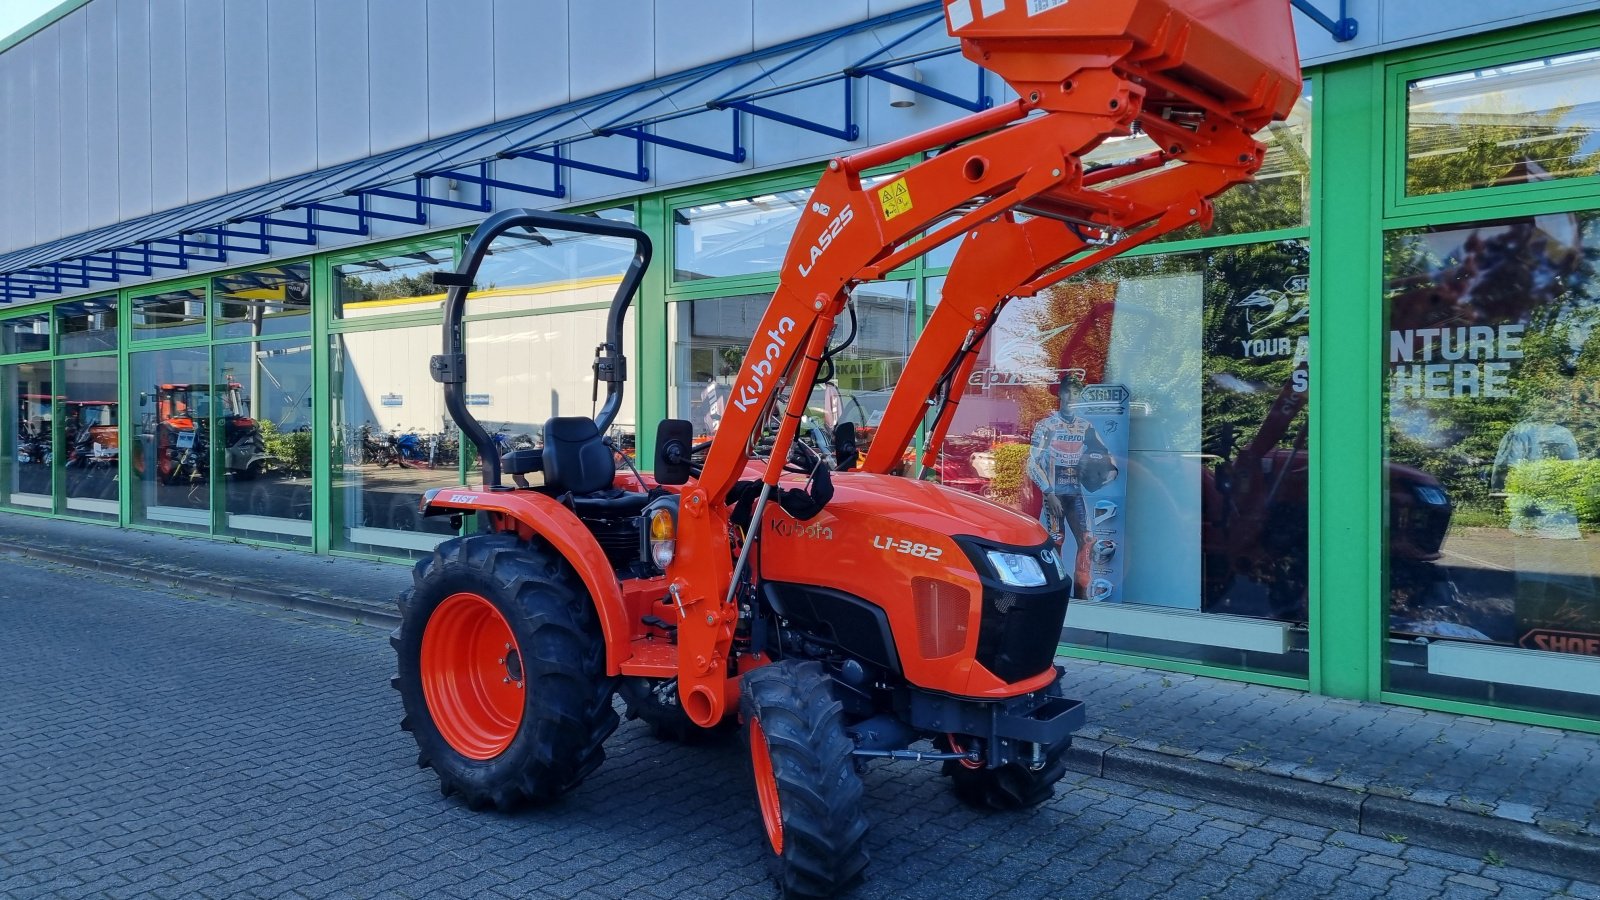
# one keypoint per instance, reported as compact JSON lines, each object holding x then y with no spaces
{"x":163,"y":745}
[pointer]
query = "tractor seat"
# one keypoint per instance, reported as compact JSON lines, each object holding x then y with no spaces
{"x":578,"y":462}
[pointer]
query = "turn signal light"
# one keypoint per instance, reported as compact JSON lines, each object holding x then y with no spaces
{"x":663,"y":537}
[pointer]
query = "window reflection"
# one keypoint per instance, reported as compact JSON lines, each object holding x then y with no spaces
{"x":275,"y":300}
{"x":1152,"y":415}
{"x":25,"y":334}
{"x":171,"y":314}
{"x":173,"y":397}
{"x":85,"y":326}
{"x":89,"y":436}
{"x":385,"y":285}
{"x":1518,"y":123}
{"x":267,"y":493}
{"x":29,"y":454}
{"x":1493,"y":376}
{"x":392,"y":440}
{"x":710,"y":338}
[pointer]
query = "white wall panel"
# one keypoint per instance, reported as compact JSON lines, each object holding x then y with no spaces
{"x":205,"y":66}
{"x":341,"y":39}
{"x":398,"y":87}
{"x":778,"y":21}
{"x":169,"y":102}
{"x":125,"y":106}
{"x":460,"y":65}
{"x":692,"y":33}
{"x":245,"y":73}
{"x":74,"y":122}
{"x":104,"y":121}
{"x":613,"y":44}
{"x":15,"y":229}
{"x":291,"y":87}
{"x":530,"y":57}
{"x":46,"y":65}
{"x":133,"y":107}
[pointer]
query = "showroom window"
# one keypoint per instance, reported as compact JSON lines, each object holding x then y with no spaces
{"x":391,"y":436}
{"x":61,"y":414}
{"x":710,"y":337}
{"x":1492,"y":364}
{"x":1172,"y":468}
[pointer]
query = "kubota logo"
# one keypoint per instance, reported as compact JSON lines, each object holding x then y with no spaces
{"x":825,"y":239}
{"x":761,"y":369}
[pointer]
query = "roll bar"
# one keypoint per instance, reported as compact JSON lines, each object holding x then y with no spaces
{"x":610,"y":364}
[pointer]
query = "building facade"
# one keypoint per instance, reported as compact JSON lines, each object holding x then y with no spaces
{"x":1354,"y":425}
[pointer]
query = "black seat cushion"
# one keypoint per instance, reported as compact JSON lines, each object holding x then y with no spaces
{"x":612,"y":504}
{"x":575,"y":458}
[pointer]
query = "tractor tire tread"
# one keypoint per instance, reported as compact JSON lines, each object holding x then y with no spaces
{"x":820,"y":794}
{"x":560,"y":741}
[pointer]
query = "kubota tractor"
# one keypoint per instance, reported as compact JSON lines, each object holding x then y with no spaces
{"x":840,"y":614}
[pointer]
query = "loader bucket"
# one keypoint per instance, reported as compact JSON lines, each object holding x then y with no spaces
{"x":1235,"y":57}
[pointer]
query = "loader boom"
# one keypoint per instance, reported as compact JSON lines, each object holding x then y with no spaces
{"x":1199,"y":77}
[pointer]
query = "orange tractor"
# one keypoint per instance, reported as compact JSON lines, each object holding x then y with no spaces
{"x":839,"y":612}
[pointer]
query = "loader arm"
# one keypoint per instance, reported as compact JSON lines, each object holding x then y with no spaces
{"x":1198,"y":76}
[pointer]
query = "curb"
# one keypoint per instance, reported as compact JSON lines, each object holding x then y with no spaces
{"x":342,"y":608}
{"x":1346,"y":809}
{"x":1354,"y":811}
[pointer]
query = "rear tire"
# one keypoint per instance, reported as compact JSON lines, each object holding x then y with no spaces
{"x":1011,"y":786}
{"x":806,"y":783}
{"x":502,"y":730}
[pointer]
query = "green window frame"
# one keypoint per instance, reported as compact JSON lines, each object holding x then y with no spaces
{"x":1558,"y":37}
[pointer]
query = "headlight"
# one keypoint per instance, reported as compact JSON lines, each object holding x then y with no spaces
{"x":1431,"y":495}
{"x":1016,"y":569}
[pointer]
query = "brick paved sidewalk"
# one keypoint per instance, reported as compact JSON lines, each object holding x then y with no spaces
{"x":1459,"y":782}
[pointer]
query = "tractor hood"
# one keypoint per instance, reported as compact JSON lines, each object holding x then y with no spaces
{"x":926,"y":505}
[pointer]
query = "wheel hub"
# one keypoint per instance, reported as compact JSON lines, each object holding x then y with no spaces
{"x":472,"y":676}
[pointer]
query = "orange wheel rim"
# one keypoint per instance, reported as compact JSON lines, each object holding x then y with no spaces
{"x":472,"y":676}
{"x":766,"y":786}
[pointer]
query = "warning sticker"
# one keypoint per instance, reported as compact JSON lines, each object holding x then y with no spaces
{"x":1038,"y":6}
{"x":895,"y":197}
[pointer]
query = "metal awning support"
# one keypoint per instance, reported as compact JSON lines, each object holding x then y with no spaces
{"x":483,"y":180}
{"x":558,"y":158}
{"x":1343,"y":28}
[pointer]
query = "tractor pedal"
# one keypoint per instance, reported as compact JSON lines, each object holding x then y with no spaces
{"x":658,"y":622}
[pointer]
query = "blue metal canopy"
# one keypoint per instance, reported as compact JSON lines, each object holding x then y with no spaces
{"x":403,"y":185}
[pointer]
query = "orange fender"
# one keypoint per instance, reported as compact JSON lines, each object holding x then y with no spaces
{"x":532,"y":515}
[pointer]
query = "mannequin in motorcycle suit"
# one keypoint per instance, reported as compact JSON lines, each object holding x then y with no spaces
{"x":1067,"y":459}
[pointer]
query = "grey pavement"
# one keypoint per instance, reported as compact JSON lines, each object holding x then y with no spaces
{"x":165,"y":744}
{"x":1530,"y":795}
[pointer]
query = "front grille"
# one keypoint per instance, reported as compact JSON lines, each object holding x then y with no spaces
{"x":942,"y":610}
{"x":1019,"y":631}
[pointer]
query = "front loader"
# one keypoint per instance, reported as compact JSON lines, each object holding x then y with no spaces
{"x":837,"y":612}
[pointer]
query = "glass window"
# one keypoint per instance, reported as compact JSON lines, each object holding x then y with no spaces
{"x":1152,"y":415}
{"x":266,"y":452}
{"x":526,"y":270}
{"x":173,"y":397}
{"x":31,"y":405}
{"x":26,"y":334}
{"x":84,"y":326}
{"x":1517,"y":123}
{"x":749,"y":236}
{"x":383,"y":285}
{"x":1493,"y":460}
{"x":711,"y":337}
{"x":276,"y":300}
{"x":172,"y":314}
{"x":392,"y":441}
{"x":1277,"y":198}
{"x":89,"y":436}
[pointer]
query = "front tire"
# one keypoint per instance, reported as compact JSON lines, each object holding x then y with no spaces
{"x":806,"y":783}
{"x":502,"y":672}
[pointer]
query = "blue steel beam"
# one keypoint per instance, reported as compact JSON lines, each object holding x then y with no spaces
{"x":1343,"y":28}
